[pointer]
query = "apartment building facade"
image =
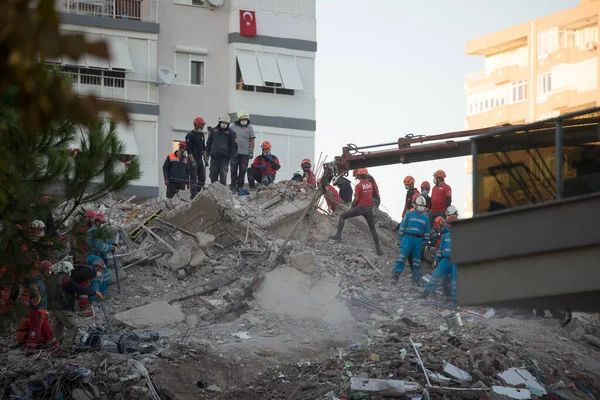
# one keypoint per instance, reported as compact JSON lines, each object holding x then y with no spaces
{"x":534,"y":71}
{"x":215,"y":70}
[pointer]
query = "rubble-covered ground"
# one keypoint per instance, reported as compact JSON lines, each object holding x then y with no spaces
{"x":244,"y":314}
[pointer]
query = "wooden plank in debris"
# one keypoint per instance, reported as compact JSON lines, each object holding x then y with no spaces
{"x":161,"y":240}
{"x":273,"y":201}
{"x":147,"y":222}
{"x":371,"y":264}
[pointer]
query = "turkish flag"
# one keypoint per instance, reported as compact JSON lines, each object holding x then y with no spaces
{"x":247,"y":23}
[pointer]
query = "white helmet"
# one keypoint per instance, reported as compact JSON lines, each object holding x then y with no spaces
{"x":225,"y":118}
{"x":420,"y":201}
{"x":299,"y":172}
{"x":451,"y":210}
{"x":38,"y":225}
{"x":63,"y":267}
{"x":243,"y":114}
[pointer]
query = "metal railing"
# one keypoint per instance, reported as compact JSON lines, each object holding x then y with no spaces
{"x":137,"y":10}
{"x":116,"y":88}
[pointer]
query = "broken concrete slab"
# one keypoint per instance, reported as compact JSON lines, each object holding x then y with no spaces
{"x":151,"y":315}
{"x":199,"y":257}
{"x":205,"y":240}
{"x":305,"y":261}
{"x":280,"y":219}
{"x":205,"y":211}
{"x":287,"y":291}
{"x":383,"y":387}
{"x":180,"y":258}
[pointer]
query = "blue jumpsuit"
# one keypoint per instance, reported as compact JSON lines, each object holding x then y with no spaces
{"x":413,"y":234}
{"x":444,"y":268}
{"x":98,"y":247}
{"x":98,"y":283}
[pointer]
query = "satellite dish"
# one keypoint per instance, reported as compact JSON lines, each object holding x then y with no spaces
{"x":165,"y":75}
{"x":216,"y":3}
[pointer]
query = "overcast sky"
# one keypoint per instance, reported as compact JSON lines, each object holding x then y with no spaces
{"x":386,"y":68}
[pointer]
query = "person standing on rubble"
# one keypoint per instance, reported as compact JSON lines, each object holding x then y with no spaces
{"x":38,"y":311}
{"x":308,"y":174}
{"x":197,"y":159}
{"x":361,"y":205}
{"x":62,"y":289}
{"x":222,"y":147}
{"x":409,"y":185}
{"x":413,"y":234}
{"x":245,"y":141}
{"x":99,"y":283}
{"x":425,"y":189}
{"x":264,"y":167}
{"x":97,"y":243}
{"x":376,"y":197}
{"x":441,"y":196}
{"x":443,"y":266}
{"x":175,"y":170}
{"x":345,"y":189}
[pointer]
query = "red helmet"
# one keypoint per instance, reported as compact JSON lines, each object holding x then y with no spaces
{"x":46,"y":265}
{"x":439,"y":174}
{"x":199,"y":121}
{"x":265,"y":145}
{"x":183,"y":144}
{"x":306,"y":161}
{"x":90,"y":214}
{"x":425,"y":185}
{"x":415,"y":197}
{"x":409,"y":180}
{"x":438,"y":222}
{"x":101,"y":218}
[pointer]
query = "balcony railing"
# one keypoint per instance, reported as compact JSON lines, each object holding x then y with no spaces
{"x":137,"y":10}
{"x":114,"y":88}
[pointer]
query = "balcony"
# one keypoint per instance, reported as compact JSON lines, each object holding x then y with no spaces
{"x":137,"y":10}
{"x":115,"y":88}
{"x":498,"y":76}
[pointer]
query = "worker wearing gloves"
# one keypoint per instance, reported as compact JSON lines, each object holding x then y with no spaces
{"x":96,"y":243}
{"x":244,"y":132}
{"x":361,"y":205}
{"x":425,"y":189}
{"x":264,"y":167}
{"x":98,"y":283}
{"x":62,"y":303}
{"x":197,"y":159}
{"x":222,"y":147}
{"x":443,"y":266}
{"x":308,"y":174}
{"x":345,"y":189}
{"x":409,"y":185}
{"x":413,"y":234}
{"x":441,"y":196}
{"x":38,"y":311}
{"x":175,"y":170}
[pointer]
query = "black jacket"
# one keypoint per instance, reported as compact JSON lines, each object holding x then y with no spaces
{"x":64,"y":289}
{"x":222,"y":143}
{"x":345,"y":189}
{"x":195,"y":144}
{"x":175,"y":169}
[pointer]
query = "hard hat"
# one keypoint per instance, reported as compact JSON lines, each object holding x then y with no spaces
{"x":361,"y":171}
{"x":415,"y":197}
{"x":90,"y":214}
{"x":451,"y":210}
{"x":298,"y":172}
{"x":265,"y":145}
{"x":225,"y":118}
{"x":409,"y":180}
{"x":438,"y":222}
{"x":183,"y":144}
{"x":64,"y":267}
{"x":306,"y":161}
{"x":37,"y":224}
{"x":243,"y":114}
{"x":439,"y":174}
{"x":451,"y":218}
{"x":94,"y":260}
{"x":425,"y":185}
{"x":420,"y":201}
{"x":101,"y":218}
{"x":199,"y":121}
{"x":46,"y":265}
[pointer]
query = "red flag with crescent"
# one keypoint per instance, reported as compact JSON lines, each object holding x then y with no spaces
{"x":247,"y":23}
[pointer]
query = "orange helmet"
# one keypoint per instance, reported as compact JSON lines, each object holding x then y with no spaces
{"x":265,"y":145}
{"x":306,"y":161}
{"x":425,"y":185}
{"x":438,"y":222}
{"x":361,"y":171}
{"x":439,"y":174}
{"x":409,"y":180}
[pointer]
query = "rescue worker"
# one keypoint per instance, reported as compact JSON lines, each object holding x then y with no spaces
{"x":197,"y":159}
{"x":376,"y":197}
{"x":345,"y":189}
{"x":409,"y":185}
{"x":308,"y":175}
{"x":175,"y":170}
{"x":298,"y":176}
{"x":332,"y":197}
{"x":99,"y":283}
{"x":82,"y":274}
{"x":413,"y":235}
{"x":443,"y":266}
{"x":264,"y":167}
{"x":62,"y":291}
{"x":425,"y":189}
{"x":361,"y":205}
{"x":38,"y":311}
{"x":244,"y":132}
{"x":222,"y":147}
{"x":23,"y":330}
{"x":452,"y":210}
{"x":436,"y":232}
{"x":96,"y":243}
{"x":79,"y":247}
{"x":441,"y":196}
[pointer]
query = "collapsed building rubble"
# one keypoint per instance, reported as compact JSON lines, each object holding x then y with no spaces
{"x":253,"y":302}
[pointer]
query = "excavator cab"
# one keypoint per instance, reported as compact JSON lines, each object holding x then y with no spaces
{"x":533,"y":241}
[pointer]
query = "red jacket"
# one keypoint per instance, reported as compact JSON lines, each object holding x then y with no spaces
{"x":272,"y":166}
{"x":311,"y":179}
{"x":332,"y":197}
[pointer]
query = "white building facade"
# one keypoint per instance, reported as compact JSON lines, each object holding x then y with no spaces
{"x":271,"y":74}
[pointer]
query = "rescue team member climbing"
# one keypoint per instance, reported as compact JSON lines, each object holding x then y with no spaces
{"x":175,"y":170}
{"x":441,"y":196}
{"x":409,"y":185}
{"x":361,"y":205}
{"x":244,"y":132}
{"x":38,"y":310}
{"x":222,"y":147}
{"x":443,"y":266}
{"x":308,"y":175}
{"x":425,"y":189}
{"x":197,"y":159}
{"x":264,"y":167}
{"x":413,"y":234}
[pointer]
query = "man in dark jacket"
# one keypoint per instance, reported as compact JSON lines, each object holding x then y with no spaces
{"x":197,"y":160}
{"x":222,"y":148}
{"x":245,"y":136}
{"x":264,"y":167}
{"x":175,"y":171}
{"x":346,"y":191}
{"x":62,"y":289}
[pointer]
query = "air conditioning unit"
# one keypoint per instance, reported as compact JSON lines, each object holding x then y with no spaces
{"x":590,"y":46}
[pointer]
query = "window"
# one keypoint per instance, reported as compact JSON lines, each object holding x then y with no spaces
{"x":96,"y":77}
{"x":519,"y":91}
{"x":548,"y":42}
{"x":189,"y":69}
{"x":544,"y":84}
{"x":269,"y":87}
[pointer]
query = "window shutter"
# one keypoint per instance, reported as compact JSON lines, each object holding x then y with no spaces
{"x":182,"y":68}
